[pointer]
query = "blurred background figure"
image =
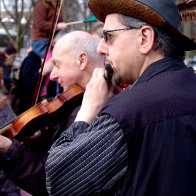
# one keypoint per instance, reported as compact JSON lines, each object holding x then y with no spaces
{"x":14,"y":91}
{"x":10,"y":53}
{"x":26,"y":84}
{"x":3,"y":89}
{"x":7,"y":187}
{"x":49,"y":88}
{"x":7,"y":59}
{"x":97,"y":30}
{"x":43,"y":14}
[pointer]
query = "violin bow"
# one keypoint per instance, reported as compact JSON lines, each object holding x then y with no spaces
{"x":187,"y":9}
{"x":51,"y":35}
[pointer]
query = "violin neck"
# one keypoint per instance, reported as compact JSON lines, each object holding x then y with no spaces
{"x":5,"y":129}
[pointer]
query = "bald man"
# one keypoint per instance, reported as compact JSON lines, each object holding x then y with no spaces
{"x":73,"y":60}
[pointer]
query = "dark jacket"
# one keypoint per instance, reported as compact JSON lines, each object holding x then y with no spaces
{"x":25,"y":164}
{"x":29,"y":74}
{"x":6,"y":76}
{"x":158,"y":117}
{"x":7,"y":187}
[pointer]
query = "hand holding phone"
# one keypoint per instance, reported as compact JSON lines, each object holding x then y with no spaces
{"x":109,"y":72}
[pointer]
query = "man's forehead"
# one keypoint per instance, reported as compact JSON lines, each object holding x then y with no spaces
{"x":112,"y":20}
{"x":57,"y":62}
{"x":56,"y":54}
{"x":59,"y":55}
{"x":60,"y":48}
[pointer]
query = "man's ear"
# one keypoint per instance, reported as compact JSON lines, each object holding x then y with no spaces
{"x":82,"y":60}
{"x":146,"y":39}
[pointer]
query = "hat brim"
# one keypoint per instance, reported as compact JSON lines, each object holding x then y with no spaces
{"x":135,"y":9}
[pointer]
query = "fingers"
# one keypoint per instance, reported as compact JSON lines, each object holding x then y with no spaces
{"x":61,"y":26}
{"x":98,"y":73}
{"x":95,"y":97}
{"x":5,"y":144}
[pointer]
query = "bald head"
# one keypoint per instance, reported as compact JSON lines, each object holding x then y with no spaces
{"x":79,"y":41}
{"x":74,"y":35}
{"x":74,"y":59}
{"x":74,"y":38}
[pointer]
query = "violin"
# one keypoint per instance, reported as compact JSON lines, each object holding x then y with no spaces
{"x":44,"y":114}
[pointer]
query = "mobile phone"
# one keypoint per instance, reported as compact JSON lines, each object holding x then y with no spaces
{"x":109,"y":72}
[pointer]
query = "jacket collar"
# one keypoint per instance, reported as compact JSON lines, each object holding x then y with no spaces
{"x":165,"y":64}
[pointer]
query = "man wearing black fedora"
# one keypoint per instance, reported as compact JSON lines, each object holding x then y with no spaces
{"x":141,"y":142}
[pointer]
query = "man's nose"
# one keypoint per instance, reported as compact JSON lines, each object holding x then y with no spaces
{"x":102,"y":48}
{"x":53,"y":75}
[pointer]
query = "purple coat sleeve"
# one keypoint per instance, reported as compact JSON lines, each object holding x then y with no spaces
{"x":25,"y":164}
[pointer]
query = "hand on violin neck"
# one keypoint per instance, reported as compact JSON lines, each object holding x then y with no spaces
{"x":5,"y":144}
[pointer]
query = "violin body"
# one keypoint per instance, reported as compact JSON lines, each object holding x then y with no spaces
{"x":29,"y":120}
{"x":44,"y":114}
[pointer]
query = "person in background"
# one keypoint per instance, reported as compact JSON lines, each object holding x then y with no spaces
{"x":7,"y":187}
{"x":7,"y":59}
{"x":14,"y":91}
{"x":3,"y":89}
{"x":28,"y":76}
{"x":10,"y":53}
{"x":97,"y":30}
{"x":143,"y":140}
{"x":42,"y":19}
{"x":73,"y":60}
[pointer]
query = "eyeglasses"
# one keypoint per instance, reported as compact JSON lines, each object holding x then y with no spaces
{"x":106,"y":35}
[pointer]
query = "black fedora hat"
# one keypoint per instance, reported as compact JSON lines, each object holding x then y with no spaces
{"x":163,"y":14}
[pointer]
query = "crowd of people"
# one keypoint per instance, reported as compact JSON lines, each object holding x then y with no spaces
{"x":125,"y":119}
